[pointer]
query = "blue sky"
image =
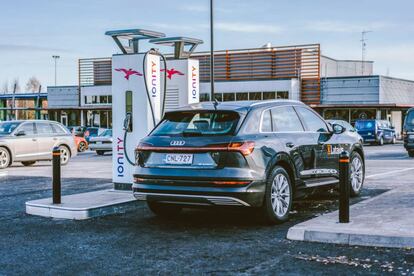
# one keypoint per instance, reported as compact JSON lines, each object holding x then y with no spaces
{"x":32,"y":31}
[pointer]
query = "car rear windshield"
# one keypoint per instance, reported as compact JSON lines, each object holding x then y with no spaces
{"x":106,"y":132}
{"x":360,"y":125}
{"x":8,"y":127}
{"x":198,"y":123}
{"x":410,"y":118}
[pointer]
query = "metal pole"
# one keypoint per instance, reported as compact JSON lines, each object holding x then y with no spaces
{"x":344,"y":187}
{"x":55,"y":58}
{"x":56,"y":176}
{"x":211,"y":52}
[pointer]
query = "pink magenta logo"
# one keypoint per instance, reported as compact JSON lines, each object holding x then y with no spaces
{"x":172,"y":72}
{"x":128,"y":72}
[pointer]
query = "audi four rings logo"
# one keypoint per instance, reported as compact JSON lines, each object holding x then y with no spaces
{"x":177,"y":143}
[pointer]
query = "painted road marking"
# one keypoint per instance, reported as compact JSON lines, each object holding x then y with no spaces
{"x":391,"y":172}
{"x":3,"y":174}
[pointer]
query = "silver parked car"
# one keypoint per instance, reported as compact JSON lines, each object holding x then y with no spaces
{"x":33,"y":140}
{"x":101,"y":143}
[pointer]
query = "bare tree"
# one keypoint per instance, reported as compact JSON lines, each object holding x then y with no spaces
{"x":33,"y":85}
{"x":5,"y":87}
{"x":16,"y":85}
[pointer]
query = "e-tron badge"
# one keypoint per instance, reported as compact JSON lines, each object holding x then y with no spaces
{"x":177,"y":143}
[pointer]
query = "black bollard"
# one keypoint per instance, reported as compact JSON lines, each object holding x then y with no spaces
{"x":56,"y":176}
{"x":344,"y":187}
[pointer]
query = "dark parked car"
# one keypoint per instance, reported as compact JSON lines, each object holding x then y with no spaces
{"x":376,"y":131}
{"x":247,"y":154}
{"x":408,"y":132}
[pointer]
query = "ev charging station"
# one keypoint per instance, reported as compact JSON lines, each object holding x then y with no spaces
{"x":136,"y":99}
{"x":182,"y":73}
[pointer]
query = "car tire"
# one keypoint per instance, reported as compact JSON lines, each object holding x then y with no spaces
{"x":28,"y":163}
{"x":381,"y":141}
{"x":163,"y":209}
{"x":64,"y":155}
{"x":82,"y":147}
{"x":278,"y":196}
{"x":5,"y":159}
{"x":411,"y":153}
{"x":100,"y":152}
{"x":356,"y":174}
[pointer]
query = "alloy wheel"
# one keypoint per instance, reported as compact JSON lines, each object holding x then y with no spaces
{"x":82,"y":146}
{"x":280,"y":195}
{"x":357,"y":173}
{"x":64,"y":155}
{"x":4,"y":158}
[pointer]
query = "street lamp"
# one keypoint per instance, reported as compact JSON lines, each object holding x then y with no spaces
{"x":55,"y":57}
{"x":211,"y":52}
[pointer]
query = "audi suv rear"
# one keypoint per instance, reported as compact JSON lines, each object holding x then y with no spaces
{"x":244,"y":154}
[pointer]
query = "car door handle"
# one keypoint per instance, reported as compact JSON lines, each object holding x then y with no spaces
{"x":290,"y":145}
{"x":34,"y":139}
{"x":54,"y":138}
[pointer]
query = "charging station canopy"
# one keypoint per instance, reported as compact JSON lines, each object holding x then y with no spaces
{"x":132,"y":36}
{"x":183,"y":46}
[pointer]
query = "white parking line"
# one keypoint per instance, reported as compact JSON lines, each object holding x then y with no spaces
{"x":390,"y":172}
{"x":3,"y":174}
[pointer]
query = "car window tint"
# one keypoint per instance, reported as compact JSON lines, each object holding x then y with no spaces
{"x":57,"y":129}
{"x":266,"y":121}
{"x":312,"y":121}
{"x":44,"y":128}
{"x":27,"y":128}
{"x":285,"y":119}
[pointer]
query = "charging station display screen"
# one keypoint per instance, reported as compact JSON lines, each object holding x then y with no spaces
{"x":128,"y":101}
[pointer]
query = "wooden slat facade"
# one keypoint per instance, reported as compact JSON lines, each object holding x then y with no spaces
{"x":301,"y":62}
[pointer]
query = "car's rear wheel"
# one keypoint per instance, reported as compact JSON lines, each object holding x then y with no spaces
{"x":278,"y":196}
{"x":64,"y":155}
{"x":28,"y":163}
{"x":381,"y":141}
{"x":356,"y":172}
{"x":4,"y":158}
{"x":100,"y":152}
{"x":163,"y":209}
{"x":411,"y":153}
{"x":82,"y":147}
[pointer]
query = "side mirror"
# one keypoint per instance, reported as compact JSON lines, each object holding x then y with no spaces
{"x":338,"y":129}
{"x":392,"y":127}
{"x":21,"y":133}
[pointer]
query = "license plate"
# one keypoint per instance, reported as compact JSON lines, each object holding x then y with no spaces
{"x":98,"y":143}
{"x":179,"y":159}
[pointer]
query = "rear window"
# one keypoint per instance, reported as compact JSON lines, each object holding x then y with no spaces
{"x":360,"y":125}
{"x":410,"y":118}
{"x":193,"y":123}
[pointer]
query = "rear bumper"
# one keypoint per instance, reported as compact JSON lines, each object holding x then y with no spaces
{"x":107,"y":147}
{"x":251,"y":195}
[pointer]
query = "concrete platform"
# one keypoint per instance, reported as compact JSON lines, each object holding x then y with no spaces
{"x":383,"y":221}
{"x":84,"y":205}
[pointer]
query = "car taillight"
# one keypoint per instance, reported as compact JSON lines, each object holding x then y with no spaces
{"x":244,"y":148}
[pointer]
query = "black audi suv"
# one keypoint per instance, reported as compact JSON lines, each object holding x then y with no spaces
{"x":248,"y":154}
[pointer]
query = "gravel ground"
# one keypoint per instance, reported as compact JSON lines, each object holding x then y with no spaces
{"x":212,"y":241}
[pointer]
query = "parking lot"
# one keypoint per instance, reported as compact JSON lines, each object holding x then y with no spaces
{"x":198,"y":241}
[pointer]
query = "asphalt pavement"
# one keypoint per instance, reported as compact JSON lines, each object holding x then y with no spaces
{"x":213,"y":241}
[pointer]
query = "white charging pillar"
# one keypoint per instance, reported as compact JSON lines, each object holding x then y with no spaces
{"x":129,"y":95}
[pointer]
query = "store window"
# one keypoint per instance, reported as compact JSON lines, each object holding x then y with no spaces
{"x":242,"y":96}
{"x":204,"y":97}
{"x":269,"y":95}
{"x":282,"y":94}
{"x":255,"y":96}
{"x":228,"y":97}
{"x":218,"y":96}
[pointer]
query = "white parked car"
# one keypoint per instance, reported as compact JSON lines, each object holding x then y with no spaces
{"x":101,"y":143}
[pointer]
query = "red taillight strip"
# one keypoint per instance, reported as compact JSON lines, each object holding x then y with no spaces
{"x":215,"y":182}
{"x":245,"y":148}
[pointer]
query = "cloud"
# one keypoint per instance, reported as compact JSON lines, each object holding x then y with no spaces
{"x":248,"y":28}
{"x":344,"y":27}
{"x":29,"y":48}
{"x":194,"y":8}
